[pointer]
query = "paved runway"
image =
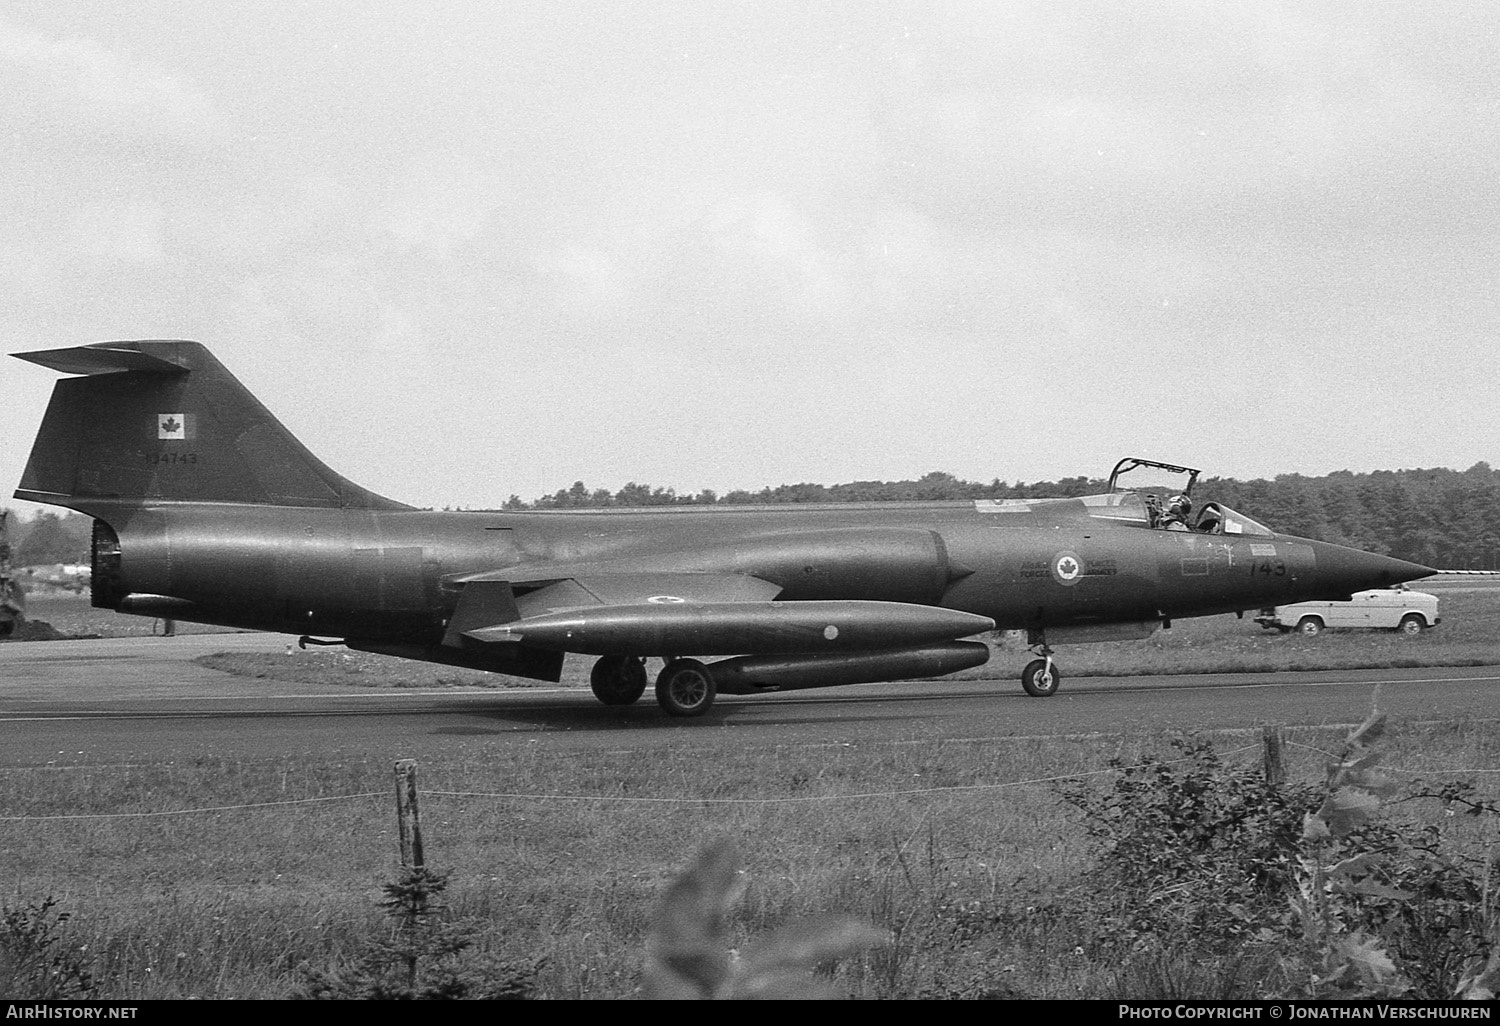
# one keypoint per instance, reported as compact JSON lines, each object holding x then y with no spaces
{"x":143,"y":699}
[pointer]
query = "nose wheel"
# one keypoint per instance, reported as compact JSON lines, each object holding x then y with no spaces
{"x":1040,"y":679}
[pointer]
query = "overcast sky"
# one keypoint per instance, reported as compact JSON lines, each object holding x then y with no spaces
{"x":466,"y":250}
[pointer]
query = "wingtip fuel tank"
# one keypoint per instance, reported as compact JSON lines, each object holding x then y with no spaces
{"x":730,"y":628}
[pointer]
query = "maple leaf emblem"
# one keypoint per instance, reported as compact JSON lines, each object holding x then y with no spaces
{"x":170,"y":425}
{"x":1067,"y":566}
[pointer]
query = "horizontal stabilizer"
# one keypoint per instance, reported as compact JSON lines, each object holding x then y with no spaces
{"x":104,"y":358}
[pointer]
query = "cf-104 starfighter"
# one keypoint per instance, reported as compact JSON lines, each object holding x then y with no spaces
{"x":207,"y":509}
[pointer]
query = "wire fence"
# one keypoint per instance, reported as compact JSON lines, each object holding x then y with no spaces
{"x":685,"y":801}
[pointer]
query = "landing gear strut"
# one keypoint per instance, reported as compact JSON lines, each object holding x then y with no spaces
{"x":1040,"y":679}
{"x":618,"y":680}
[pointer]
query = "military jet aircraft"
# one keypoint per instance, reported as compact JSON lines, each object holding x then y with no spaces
{"x":207,"y":509}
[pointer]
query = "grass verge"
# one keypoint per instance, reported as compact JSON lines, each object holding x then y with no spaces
{"x":966,"y":870}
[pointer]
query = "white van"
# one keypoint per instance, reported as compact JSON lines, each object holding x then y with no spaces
{"x":1398,"y":609}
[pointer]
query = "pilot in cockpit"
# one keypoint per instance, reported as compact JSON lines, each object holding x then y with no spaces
{"x":1175,"y":516}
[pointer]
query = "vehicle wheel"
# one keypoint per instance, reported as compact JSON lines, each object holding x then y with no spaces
{"x":618,"y":680}
{"x":1411,"y":625}
{"x":1040,"y":678}
{"x":1309,"y":626}
{"x":685,"y":687}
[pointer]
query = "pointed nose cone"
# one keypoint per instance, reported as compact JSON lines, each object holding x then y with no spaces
{"x":1342,"y":571}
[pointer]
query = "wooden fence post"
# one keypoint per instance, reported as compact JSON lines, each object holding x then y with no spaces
{"x":409,"y":822}
{"x":1271,"y":757}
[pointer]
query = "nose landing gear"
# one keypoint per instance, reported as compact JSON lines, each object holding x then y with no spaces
{"x":1041,"y":679}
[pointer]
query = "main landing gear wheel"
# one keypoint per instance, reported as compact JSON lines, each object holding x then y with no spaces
{"x":1040,"y":678}
{"x":618,"y":680}
{"x":685,"y":687}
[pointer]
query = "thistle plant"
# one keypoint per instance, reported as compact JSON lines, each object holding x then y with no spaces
{"x":1335,"y":872}
{"x":688,"y":950}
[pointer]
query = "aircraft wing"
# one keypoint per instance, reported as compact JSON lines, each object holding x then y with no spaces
{"x":588,"y":610}
{"x":547,"y":590}
{"x":497,"y":598}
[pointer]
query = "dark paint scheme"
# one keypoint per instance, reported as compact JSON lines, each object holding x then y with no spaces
{"x":207,"y":509}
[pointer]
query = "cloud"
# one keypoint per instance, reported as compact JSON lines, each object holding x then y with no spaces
{"x":128,"y":233}
{"x":1166,"y":116}
{"x":75,"y":87}
{"x":586,"y":282}
{"x":443,"y":200}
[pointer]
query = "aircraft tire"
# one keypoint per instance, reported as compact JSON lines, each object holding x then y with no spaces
{"x":1039,"y":679}
{"x":685,"y":687}
{"x":1411,"y":625}
{"x":618,"y":680}
{"x":1309,"y":626}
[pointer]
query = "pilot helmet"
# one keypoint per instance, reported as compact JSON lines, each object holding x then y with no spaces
{"x":1180,"y":504}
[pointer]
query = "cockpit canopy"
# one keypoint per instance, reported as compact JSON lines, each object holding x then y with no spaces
{"x":1134,"y":508}
{"x":1159,"y":495}
{"x":1138,"y":475}
{"x":1209,"y":518}
{"x":1158,"y":498}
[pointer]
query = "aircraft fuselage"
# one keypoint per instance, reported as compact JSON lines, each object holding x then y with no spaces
{"x":388,"y":574}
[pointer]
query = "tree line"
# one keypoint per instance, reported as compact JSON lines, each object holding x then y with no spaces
{"x":1441,"y":518}
{"x":49,"y":538}
{"x":1438,"y":517}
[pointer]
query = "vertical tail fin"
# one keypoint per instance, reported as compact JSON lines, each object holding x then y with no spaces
{"x":165,"y":421}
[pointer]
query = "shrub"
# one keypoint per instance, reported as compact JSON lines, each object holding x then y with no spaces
{"x":35,"y":963}
{"x":1190,"y":848}
{"x":1299,"y":890}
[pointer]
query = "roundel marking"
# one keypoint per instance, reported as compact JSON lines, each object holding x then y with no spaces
{"x":665,"y":600}
{"x":1067,"y":568}
{"x":830,"y":632}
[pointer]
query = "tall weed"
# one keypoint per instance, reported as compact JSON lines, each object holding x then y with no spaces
{"x":36,"y":961}
{"x":688,"y":954}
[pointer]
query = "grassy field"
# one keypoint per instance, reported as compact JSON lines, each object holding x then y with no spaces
{"x":965,"y":852}
{"x":233,"y":903}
